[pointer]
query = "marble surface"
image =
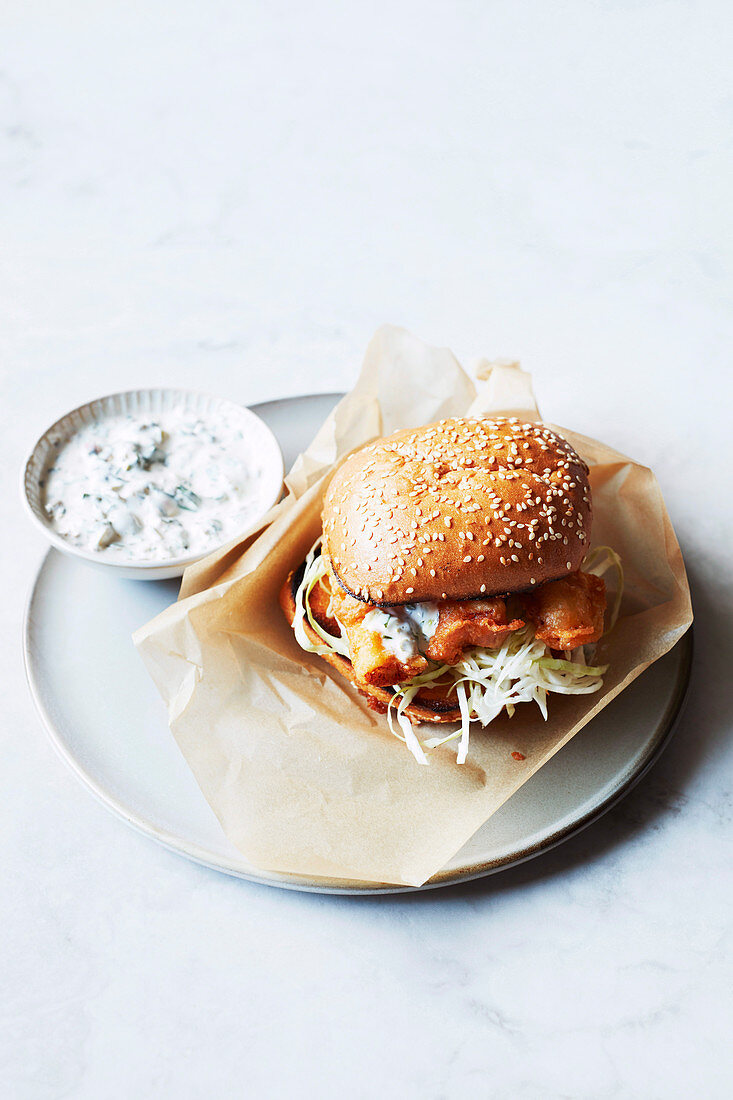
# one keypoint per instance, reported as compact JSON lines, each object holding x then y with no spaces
{"x":234,"y":196}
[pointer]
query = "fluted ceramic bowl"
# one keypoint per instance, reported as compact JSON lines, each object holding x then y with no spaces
{"x":261,"y":445}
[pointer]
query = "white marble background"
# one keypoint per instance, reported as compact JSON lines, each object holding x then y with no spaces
{"x":233,"y":195}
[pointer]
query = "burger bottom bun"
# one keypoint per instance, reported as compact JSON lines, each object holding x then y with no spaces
{"x":421,"y":709}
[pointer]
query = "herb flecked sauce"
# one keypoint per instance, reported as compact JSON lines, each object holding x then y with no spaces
{"x":152,"y":489}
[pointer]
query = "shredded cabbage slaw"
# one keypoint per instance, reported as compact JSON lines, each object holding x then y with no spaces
{"x":485,"y":681}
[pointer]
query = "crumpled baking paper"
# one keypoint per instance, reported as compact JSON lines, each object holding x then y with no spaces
{"x":303,"y":777}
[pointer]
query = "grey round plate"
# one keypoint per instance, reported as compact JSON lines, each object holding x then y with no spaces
{"x":107,"y":722}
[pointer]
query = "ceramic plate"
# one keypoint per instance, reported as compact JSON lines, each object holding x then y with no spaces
{"x":109,"y":724}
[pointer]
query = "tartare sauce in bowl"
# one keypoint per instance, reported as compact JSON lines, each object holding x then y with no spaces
{"x":152,"y":480}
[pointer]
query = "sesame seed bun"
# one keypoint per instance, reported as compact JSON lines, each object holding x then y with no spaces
{"x":457,"y":510}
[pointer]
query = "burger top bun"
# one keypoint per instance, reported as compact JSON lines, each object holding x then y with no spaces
{"x":457,"y":510}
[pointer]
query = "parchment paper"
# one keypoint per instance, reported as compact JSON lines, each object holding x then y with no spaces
{"x":303,"y":777}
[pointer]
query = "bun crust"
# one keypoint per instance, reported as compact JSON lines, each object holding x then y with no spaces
{"x":457,"y":510}
{"x":421,"y":709}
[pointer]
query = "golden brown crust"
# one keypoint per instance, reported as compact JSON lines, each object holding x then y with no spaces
{"x":569,"y":612}
{"x":373,"y":665}
{"x":457,"y":510}
{"x":467,"y":623}
{"x":428,"y":706}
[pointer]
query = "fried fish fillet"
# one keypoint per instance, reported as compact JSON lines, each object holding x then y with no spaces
{"x":373,"y":664}
{"x":470,"y":622}
{"x":568,"y":613}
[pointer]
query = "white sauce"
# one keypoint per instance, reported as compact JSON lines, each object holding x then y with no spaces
{"x":152,"y":489}
{"x":396,"y":634}
{"x":423,"y":617}
{"x":405,"y":631}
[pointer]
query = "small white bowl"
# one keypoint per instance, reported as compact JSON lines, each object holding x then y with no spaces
{"x":147,"y":402}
